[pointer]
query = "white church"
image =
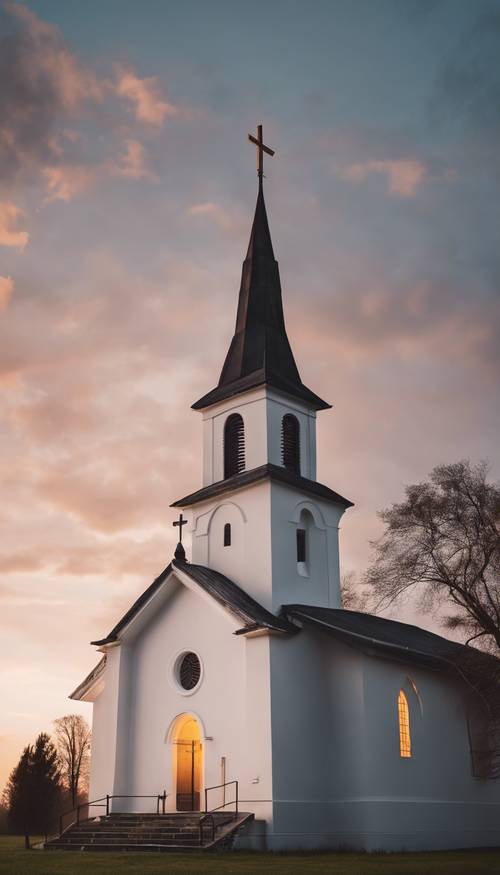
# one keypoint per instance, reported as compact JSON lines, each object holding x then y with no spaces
{"x":238,"y":669}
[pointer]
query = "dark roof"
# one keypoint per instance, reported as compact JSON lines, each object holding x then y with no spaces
{"x":234,"y":599}
{"x":371,"y":633}
{"x":260,"y":352}
{"x":251,"y":614}
{"x":89,"y":680}
{"x":264,"y":472}
{"x":125,"y":620}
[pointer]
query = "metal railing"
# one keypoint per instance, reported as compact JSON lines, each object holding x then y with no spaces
{"x":208,"y":815}
{"x":207,"y":818}
{"x":104,"y":802}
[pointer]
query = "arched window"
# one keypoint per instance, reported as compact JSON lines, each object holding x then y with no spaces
{"x":301,"y":545}
{"x":234,"y":445}
{"x":404,"y":726}
{"x":227,"y":535}
{"x":290,"y":443}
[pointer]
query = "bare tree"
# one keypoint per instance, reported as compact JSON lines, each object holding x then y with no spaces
{"x":73,"y":747}
{"x":355,"y":597}
{"x":444,"y":542}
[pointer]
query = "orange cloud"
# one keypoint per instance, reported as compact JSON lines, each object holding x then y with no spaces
{"x":9,"y":234}
{"x":66,"y":181}
{"x":403,"y":177}
{"x":144,"y":95}
{"x":6,"y":289}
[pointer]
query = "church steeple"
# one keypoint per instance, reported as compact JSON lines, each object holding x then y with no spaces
{"x":260,"y":352}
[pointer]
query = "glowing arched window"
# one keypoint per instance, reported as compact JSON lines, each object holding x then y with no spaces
{"x":290,"y":443}
{"x":404,"y":726}
{"x":234,"y":445}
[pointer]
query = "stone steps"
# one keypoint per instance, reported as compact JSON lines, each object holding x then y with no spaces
{"x":147,"y":832}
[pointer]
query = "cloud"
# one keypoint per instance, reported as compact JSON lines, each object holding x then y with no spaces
{"x":40,"y":81}
{"x":9,"y":234}
{"x":144,"y":95}
{"x":51,"y":122}
{"x":66,"y":181}
{"x":132,"y":162}
{"x":212,"y":211}
{"x":403,"y":176}
{"x":6,"y":289}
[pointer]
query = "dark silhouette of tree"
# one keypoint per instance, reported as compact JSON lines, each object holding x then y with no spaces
{"x":355,"y":597}
{"x":33,"y":790}
{"x":443,"y":541}
{"x":73,"y":748}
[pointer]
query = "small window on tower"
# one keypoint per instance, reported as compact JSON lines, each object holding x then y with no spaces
{"x":234,"y":445}
{"x":301,"y":545}
{"x":290,"y":443}
{"x":227,"y":535}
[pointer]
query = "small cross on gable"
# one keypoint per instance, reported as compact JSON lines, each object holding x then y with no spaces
{"x":180,"y":522}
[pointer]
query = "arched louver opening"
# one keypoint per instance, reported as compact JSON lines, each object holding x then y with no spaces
{"x":234,"y":445}
{"x":290,"y":443}
{"x":227,"y":535}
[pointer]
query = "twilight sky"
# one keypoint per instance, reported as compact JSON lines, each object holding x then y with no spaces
{"x":127,"y":191}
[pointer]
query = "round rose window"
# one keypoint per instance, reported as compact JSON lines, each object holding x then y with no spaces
{"x":189,"y":671}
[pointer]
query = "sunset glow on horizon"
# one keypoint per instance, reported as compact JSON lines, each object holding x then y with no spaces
{"x":127,"y":190}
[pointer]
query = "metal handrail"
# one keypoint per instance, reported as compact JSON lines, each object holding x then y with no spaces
{"x":204,"y":818}
{"x":103,"y":802}
{"x":231,"y":802}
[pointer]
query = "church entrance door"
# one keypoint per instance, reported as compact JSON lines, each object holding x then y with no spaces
{"x":189,"y":754}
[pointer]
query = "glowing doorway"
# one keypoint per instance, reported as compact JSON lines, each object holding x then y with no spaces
{"x":188,"y":755}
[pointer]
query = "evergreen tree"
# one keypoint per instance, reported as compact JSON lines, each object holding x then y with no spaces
{"x":33,"y":790}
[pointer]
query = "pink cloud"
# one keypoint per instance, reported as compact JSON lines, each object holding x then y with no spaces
{"x":9,"y":234}
{"x":132,"y":162}
{"x":403,"y":176}
{"x":66,"y":181}
{"x":6,"y":289}
{"x":212,"y":211}
{"x":51,"y":58}
{"x":144,"y":95}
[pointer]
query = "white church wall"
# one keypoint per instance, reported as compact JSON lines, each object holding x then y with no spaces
{"x":262,"y":558}
{"x":262,"y":410}
{"x":104,"y":729}
{"x":278,"y":406}
{"x":338,"y":778}
{"x":231,"y":674}
{"x":431,"y":799}
{"x":318,"y":741}
{"x":252,"y":408}
{"x":248,"y":560}
{"x":317,"y":581}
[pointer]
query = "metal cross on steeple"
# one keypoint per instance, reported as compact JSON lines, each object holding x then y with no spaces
{"x":261,"y":148}
{"x":180,"y":553}
{"x":180,"y":522}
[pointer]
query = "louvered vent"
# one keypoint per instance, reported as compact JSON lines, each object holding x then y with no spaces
{"x":234,"y":445}
{"x":189,"y":671}
{"x":290,"y":443}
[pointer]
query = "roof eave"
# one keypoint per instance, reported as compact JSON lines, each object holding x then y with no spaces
{"x":256,"y":475}
{"x":238,"y":387}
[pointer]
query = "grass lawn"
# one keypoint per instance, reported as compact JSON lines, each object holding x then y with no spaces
{"x":14,"y":860}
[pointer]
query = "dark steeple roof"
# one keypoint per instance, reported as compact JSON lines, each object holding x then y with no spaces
{"x":260,"y":351}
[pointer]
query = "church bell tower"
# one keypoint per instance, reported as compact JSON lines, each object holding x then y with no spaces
{"x":261,"y":518}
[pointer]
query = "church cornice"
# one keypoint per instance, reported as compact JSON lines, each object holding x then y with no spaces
{"x":264,"y":472}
